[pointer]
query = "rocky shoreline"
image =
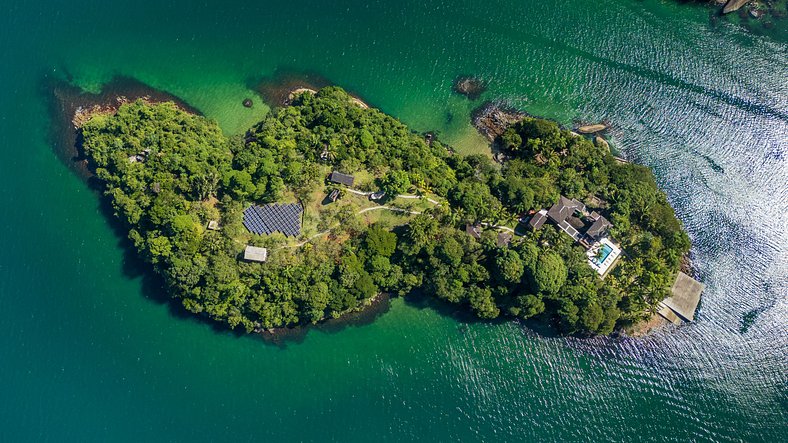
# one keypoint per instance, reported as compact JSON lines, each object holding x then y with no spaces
{"x":281,"y":88}
{"x":755,"y":15}
{"x":492,"y":118}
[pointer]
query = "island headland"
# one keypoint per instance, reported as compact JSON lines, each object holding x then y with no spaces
{"x":327,"y":203}
{"x":71,"y":106}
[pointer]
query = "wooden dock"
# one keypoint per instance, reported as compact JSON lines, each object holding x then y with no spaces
{"x":684,"y":299}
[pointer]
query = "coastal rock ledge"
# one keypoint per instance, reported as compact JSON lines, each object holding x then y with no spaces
{"x":734,"y":5}
{"x":491,"y":119}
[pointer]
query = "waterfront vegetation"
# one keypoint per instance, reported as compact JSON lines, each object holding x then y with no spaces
{"x":168,"y":173}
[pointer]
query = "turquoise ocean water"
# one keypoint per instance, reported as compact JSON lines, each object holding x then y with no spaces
{"x":90,"y":352}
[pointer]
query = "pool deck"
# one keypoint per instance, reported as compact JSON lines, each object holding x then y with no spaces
{"x":610,"y":259}
{"x":683,"y":302}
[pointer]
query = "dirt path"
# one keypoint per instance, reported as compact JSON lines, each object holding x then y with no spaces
{"x":407,"y":196}
{"x":505,"y":228}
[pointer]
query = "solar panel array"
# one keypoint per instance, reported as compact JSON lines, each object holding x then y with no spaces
{"x":274,"y":218}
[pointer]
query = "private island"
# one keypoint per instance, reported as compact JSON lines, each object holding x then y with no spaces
{"x":328,"y":203}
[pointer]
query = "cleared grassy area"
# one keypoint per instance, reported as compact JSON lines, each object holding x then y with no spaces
{"x":322,"y":215}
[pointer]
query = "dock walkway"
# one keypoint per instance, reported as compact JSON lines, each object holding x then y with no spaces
{"x":684,"y":299}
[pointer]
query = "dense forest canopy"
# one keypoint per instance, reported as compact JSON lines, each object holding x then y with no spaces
{"x":168,"y":173}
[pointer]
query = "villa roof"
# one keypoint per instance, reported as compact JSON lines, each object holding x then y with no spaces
{"x":563,"y":209}
{"x":254,"y":253}
{"x":343,"y":179}
{"x":474,"y":231}
{"x":598,"y":228}
{"x":538,"y":219}
{"x":504,"y":238}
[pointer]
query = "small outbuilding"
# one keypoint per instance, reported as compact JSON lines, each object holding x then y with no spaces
{"x":255,"y":254}
{"x":213,"y":225}
{"x":342,"y":179}
{"x":474,"y":231}
{"x":334,"y":195}
{"x":538,"y":219}
{"x":504,"y":238}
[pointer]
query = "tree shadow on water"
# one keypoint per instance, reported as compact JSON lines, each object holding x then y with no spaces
{"x":541,"y":326}
{"x":152,"y":285}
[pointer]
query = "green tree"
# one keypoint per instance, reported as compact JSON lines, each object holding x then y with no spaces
{"x":510,"y":266}
{"x":530,"y":305}
{"x":395,"y":182}
{"x":239,"y":184}
{"x":482,"y":303}
{"x":550,"y":272}
{"x":379,"y":241}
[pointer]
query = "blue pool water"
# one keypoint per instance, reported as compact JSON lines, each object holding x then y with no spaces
{"x":606,"y":250}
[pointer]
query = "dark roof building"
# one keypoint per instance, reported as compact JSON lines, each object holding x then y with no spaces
{"x":504,"y":238}
{"x":267,"y":219}
{"x":562,"y":214}
{"x":474,"y":231}
{"x":599,"y":228}
{"x":560,"y":211}
{"x":564,"y":208}
{"x":538,"y":219}
{"x":342,"y":179}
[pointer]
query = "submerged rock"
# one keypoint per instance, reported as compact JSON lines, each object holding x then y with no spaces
{"x":468,"y":86}
{"x":491,"y":119}
{"x":247,"y":103}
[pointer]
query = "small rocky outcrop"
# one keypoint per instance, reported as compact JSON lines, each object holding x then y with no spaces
{"x":247,"y":103}
{"x":591,"y":129}
{"x":429,"y":137}
{"x":734,"y":5}
{"x":491,"y":119}
{"x":601,"y":142}
{"x":469,"y":86}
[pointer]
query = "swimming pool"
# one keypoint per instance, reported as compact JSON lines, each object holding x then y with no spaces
{"x":601,"y":256}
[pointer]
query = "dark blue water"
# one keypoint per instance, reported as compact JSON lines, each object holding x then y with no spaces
{"x":90,"y":352}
